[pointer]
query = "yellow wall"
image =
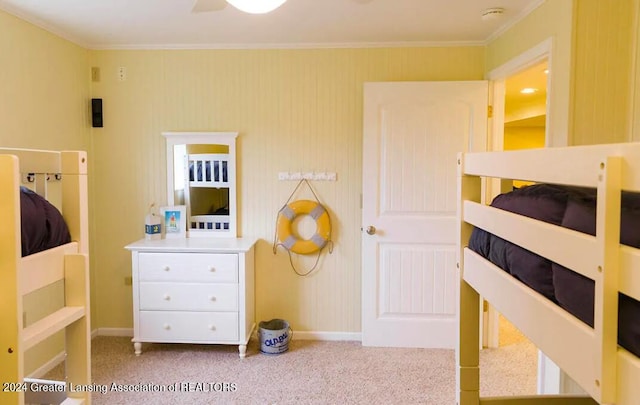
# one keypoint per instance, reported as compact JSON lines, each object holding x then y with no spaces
{"x":635,"y":87}
{"x":523,"y":137}
{"x":45,"y":89}
{"x":635,"y":122}
{"x":603,"y":70}
{"x":44,"y":94}
{"x":295,"y":110}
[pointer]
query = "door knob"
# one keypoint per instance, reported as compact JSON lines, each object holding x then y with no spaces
{"x":371,"y":230}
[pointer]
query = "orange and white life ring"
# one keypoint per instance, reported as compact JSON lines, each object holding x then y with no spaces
{"x":286,"y":236}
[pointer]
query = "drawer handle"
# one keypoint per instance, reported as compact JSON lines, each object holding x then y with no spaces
{"x":212,"y":299}
{"x":212,"y":269}
{"x":167,"y":297}
{"x":212,"y":327}
{"x":167,"y":268}
{"x":166,"y":326}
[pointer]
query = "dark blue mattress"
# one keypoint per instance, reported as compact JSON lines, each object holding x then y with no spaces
{"x":43,"y":226}
{"x":573,"y":208}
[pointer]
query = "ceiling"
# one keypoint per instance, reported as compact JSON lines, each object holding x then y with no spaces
{"x":154,"y":24}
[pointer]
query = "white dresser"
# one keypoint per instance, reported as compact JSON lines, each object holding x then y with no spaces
{"x":193,"y":290}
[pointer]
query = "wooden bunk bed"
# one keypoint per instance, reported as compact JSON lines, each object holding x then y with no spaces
{"x":64,"y":173}
{"x":592,"y":357}
{"x":208,"y":171}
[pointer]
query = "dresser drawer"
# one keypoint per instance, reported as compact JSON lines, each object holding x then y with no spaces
{"x":188,"y":296}
{"x":190,"y":267}
{"x":164,"y":326}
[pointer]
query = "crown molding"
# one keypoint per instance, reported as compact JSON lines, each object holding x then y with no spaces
{"x":314,"y":45}
{"x":521,"y":16}
{"x":42,"y":25}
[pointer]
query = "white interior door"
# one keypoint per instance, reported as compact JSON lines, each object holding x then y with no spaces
{"x":412,"y":134}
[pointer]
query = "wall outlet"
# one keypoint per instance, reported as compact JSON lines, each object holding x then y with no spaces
{"x":122,"y":74}
{"x":95,"y":74}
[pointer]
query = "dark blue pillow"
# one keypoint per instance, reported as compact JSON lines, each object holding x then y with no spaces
{"x":544,"y":202}
{"x":42,"y":225}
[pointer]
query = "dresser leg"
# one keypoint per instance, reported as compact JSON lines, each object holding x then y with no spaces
{"x":137,"y":347}
{"x":243,"y":351}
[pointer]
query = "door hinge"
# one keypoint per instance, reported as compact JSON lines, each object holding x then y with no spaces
{"x":489,"y":111}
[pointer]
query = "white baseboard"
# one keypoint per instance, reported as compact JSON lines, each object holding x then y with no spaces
{"x":125,"y":332}
{"x":48,"y":366}
{"x":323,"y":336}
{"x":302,"y":335}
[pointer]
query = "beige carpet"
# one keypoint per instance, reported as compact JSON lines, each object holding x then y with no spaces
{"x":311,"y":372}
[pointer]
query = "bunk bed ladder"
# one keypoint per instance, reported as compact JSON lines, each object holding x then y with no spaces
{"x":22,"y":275}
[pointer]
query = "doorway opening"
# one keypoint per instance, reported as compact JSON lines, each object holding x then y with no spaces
{"x":525,"y":109}
{"x":519,"y":120}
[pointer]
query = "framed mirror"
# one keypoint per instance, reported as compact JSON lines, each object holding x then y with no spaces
{"x":201,"y":174}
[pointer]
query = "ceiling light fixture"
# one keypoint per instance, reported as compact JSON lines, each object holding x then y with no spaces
{"x":528,"y":90}
{"x":256,"y":6}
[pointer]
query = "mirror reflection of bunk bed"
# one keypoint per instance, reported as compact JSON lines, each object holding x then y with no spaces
{"x":601,"y":258}
{"x":201,"y":174}
{"x":42,"y":244}
{"x":207,"y":191}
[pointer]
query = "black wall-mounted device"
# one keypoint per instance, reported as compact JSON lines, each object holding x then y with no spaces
{"x":96,"y":112}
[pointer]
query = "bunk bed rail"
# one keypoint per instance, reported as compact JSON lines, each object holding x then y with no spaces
{"x":590,"y":356}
